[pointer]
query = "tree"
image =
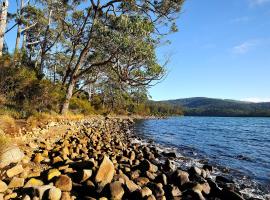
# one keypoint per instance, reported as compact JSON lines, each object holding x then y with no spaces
{"x":3,"y":23}
{"x":118,"y":34}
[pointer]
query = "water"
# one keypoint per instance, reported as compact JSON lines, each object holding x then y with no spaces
{"x":240,"y":144}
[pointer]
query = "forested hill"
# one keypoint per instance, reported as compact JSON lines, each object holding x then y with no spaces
{"x":201,"y":106}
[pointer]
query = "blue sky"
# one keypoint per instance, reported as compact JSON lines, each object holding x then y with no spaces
{"x":222,"y":50}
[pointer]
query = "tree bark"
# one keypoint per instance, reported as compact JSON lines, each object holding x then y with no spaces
{"x":3,"y":24}
{"x":68,"y":96}
{"x":19,"y":30}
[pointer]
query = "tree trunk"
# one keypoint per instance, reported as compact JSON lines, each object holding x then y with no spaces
{"x":19,"y":30}
{"x":3,"y":24}
{"x":68,"y":96}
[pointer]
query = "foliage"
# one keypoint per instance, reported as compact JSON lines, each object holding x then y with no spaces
{"x":218,"y":107}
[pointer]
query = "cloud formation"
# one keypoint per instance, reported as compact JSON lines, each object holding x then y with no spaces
{"x":245,"y":47}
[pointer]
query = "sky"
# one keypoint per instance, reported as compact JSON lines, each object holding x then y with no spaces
{"x":222,"y":50}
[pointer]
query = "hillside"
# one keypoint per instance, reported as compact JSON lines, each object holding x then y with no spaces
{"x":202,"y":106}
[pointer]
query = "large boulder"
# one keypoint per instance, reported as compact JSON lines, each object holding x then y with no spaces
{"x":10,"y":154}
{"x":105,"y":172}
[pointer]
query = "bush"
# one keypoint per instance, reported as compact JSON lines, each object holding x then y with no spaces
{"x":78,"y":105}
{"x":7,"y":124}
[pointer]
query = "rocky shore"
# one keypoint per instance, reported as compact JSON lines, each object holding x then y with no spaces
{"x":96,"y":159}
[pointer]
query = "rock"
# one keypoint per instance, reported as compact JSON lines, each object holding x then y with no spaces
{"x":40,"y":190}
{"x":16,"y":182}
{"x":33,"y":182}
{"x":3,"y":186}
{"x":141,"y":181}
{"x":117,"y":190}
{"x":132,"y":155}
{"x":105,"y":172}
{"x":10,"y":154}
{"x":64,"y":183}
{"x":14,"y":171}
{"x":174,"y":191}
{"x":131,"y":186}
{"x":11,"y":196}
{"x":180,"y":177}
{"x":38,"y":158}
{"x":204,"y":187}
{"x":194,"y":171}
{"x":26,"y":197}
{"x":85,"y":174}
{"x":65,"y":196}
{"x":148,"y":166}
{"x":169,"y":166}
{"x":54,"y":194}
{"x":53,"y":173}
{"x":227,"y":194}
{"x":208,"y":167}
{"x":151,"y":197}
{"x":145,"y":192}
{"x":57,"y":159}
{"x":157,"y":189}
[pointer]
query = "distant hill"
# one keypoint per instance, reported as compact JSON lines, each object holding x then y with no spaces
{"x":202,"y":106}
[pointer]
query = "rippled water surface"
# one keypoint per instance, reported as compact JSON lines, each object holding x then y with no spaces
{"x":241,"y":144}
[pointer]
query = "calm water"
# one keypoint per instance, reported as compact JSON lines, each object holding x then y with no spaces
{"x":241,"y":144}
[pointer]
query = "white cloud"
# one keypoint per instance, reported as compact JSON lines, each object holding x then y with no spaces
{"x":245,"y":47}
{"x":258,"y":2}
{"x":256,"y":99}
{"x":240,"y":20}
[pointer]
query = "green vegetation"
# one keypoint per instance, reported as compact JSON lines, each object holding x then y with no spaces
{"x":82,"y":56}
{"x":200,"y":106}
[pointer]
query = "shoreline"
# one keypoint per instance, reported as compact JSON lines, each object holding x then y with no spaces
{"x":130,"y":170}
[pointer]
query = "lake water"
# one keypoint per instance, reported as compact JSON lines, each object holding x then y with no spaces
{"x":240,"y":144}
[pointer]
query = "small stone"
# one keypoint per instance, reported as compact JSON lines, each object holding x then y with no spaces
{"x":132,"y":186}
{"x":57,"y":159}
{"x":33,"y":182}
{"x":65,"y":196}
{"x":174,"y":191}
{"x":54,"y":194}
{"x":180,"y":177}
{"x":141,"y":181}
{"x":38,"y":158}
{"x":3,"y":186}
{"x":132,"y":155}
{"x":195,"y":171}
{"x":117,"y":190}
{"x":145,"y":192}
{"x":26,"y":197}
{"x":40,"y":190}
{"x":148,"y":166}
{"x":86,"y":174}
{"x":16,"y":182}
{"x":11,"y":196}
{"x":53,"y":173}
{"x":64,"y":183}
{"x":151,"y":197}
{"x":105,"y":172}
{"x":14,"y":171}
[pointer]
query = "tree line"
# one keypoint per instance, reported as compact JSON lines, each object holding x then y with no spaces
{"x":83,"y":54}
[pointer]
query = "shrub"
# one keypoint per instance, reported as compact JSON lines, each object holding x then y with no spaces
{"x":7,"y":124}
{"x":78,"y":105}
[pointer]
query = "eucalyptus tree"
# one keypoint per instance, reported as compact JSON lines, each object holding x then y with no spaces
{"x":118,"y":34}
{"x":3,"y":23}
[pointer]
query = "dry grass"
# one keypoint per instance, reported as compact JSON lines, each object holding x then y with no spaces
{"x":41,"y":119}
{"x":8,"y":124}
